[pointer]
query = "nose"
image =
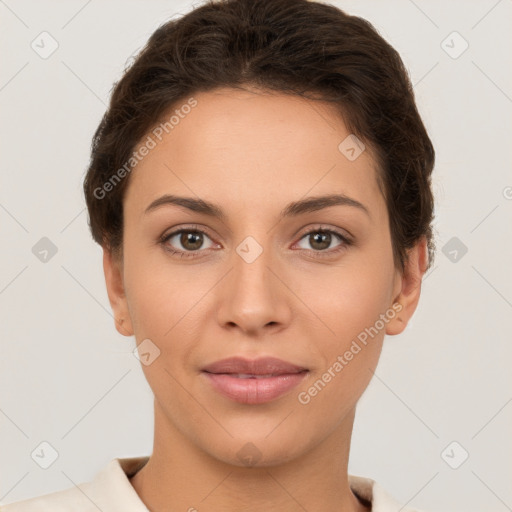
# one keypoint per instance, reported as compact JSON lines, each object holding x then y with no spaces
{"x":254,"y":297}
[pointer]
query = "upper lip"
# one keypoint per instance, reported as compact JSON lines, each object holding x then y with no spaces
{"x":261,"y":366}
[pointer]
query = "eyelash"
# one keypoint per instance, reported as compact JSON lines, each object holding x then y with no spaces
{"x":194,"y":254}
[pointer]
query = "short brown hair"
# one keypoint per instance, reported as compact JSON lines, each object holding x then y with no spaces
{"x":300,"y":47}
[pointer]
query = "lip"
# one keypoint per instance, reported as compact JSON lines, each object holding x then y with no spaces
{"x":261,"y":366}
{"x":270,"y":378}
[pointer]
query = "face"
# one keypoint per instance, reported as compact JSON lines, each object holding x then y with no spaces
{"x":253,"y":277}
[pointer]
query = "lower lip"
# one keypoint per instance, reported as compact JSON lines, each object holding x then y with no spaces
{"x":254,"y":391}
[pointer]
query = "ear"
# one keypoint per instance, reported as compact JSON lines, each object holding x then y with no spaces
{"x":408,"y":287}
{"x":113,"y":270}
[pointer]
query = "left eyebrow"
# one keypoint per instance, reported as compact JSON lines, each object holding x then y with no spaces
{"x":313,"y":204}
{"x":310,"y":204}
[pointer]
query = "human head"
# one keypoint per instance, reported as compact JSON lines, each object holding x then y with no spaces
{"x":266,"y":84}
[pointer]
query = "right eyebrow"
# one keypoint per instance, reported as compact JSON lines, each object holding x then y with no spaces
{"x":196,"y":205}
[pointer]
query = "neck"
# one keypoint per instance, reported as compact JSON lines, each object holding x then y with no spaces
{"x":181,"y":476}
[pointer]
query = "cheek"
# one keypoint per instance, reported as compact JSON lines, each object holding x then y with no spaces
{"x":350,"y":350}
{"x":350,"y":304}
{"x":349,"y":299}
{"x":160,"y":295}
{"x":165,"y":308}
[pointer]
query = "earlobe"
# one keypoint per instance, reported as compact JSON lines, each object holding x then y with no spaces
{"x":113,"y":270}
{"x":409,"y":284}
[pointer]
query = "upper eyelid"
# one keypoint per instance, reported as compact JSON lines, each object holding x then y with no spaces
{"x":320,"y":227}
{"x":174,"y":232}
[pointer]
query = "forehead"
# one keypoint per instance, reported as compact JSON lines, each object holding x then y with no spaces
{"x":252,"y":148}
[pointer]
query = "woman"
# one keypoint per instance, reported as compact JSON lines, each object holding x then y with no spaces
{"x":260,"y":186}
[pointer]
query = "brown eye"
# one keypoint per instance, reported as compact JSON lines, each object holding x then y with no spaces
{"x":321,"y":239}
{"x":191,"y":240}
{"x":320,"y":242}
{"x":186,"y":242}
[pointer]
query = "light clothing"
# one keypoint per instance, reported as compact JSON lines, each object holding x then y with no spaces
{"x":111,"y":491}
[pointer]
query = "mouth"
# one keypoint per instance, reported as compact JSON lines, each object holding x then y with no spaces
{"x":254,"y":381}
{"x":252,"y":376}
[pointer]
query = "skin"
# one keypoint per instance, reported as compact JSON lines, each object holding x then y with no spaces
{"x":252,"y":153}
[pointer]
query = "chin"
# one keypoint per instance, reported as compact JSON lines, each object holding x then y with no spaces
{"x":258,"y":450}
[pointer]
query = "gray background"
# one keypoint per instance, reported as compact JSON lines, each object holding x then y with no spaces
{"x":69,"y":379}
